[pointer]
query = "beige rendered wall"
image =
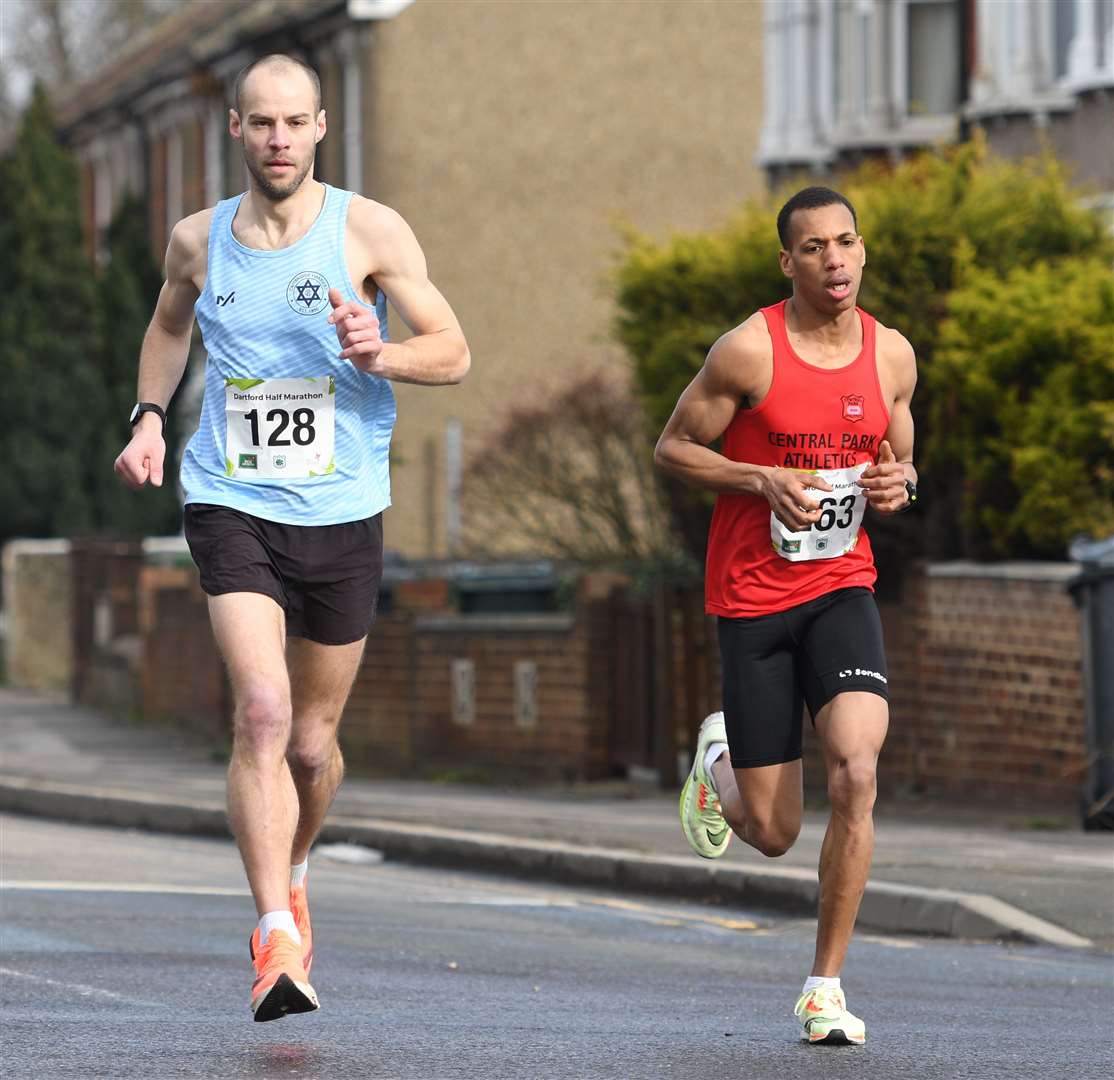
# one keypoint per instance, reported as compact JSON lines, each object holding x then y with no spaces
{"x":512,"y":136}
{"x":38,"y":608}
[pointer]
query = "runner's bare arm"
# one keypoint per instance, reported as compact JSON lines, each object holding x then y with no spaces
{"x":389,"y":255}
{"x":165,"y":349}
{"x":885,"y":481}
{"x":732,"y":372}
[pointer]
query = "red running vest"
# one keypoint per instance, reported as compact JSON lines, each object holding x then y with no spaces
{"x":812,"y":418}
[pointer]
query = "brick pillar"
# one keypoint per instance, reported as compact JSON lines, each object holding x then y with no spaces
{"x":105,"y":617}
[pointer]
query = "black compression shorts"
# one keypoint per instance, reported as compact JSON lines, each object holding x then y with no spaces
{"x":325,"y":577}
{"x":775,"y":664}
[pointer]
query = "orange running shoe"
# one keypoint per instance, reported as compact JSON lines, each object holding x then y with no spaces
{"x":281,"y":985}
{"x":299,"y":906}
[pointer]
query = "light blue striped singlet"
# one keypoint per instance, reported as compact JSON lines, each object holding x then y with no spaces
{"x":312,"y":448}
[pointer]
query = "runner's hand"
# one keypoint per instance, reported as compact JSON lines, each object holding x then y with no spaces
{"x":884,"y":482}
{"x":142,"y":459}
{"x":788,"y":493}
{"x":358,"y":333}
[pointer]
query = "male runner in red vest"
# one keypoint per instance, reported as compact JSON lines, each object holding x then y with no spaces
{"x":811,"y":397}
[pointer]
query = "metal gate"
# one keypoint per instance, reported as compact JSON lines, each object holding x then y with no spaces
{"x":665,"y":679}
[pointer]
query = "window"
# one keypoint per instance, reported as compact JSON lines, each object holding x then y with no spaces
{"x":933,"y":52}
{"x":1088,"y":27}
{"x":1104,"y":14}
{"x":1064,"y":15}
{"x":864,"y":68}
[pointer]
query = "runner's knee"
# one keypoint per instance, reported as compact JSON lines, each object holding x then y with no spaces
{"x":772,"y":838}
{"x":852,"y":785}
{"x":311,"y":759}
{"x":262,"y":723}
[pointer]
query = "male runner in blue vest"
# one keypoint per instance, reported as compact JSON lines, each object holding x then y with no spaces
{"x":286,"y":478}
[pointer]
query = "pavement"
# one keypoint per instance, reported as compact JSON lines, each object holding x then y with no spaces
{"x":961,"y":871}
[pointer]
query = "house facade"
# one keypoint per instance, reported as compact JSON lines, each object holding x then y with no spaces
{"x":513,"y":136}
{"x":847,"y":79}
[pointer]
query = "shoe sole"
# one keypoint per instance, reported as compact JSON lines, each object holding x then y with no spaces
{"x":286,"y":996}
{"x":835,"y":1037}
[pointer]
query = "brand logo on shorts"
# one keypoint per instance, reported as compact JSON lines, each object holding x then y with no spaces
{"x":791,"y":547}
{"x":847,"y":673}
{"x":279,"y":461}
{"x":249,"y":461}
{"x":308,"y":293}
{"x":854,"y":406}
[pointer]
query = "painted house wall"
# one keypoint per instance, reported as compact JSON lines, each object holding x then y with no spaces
{"x":513,"y":138}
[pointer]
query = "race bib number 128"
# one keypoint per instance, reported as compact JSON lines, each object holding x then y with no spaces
{"x":279,"y":428}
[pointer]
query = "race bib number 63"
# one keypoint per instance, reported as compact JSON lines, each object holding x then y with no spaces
{"x":279,"y":428}
{"x":837,"y":530}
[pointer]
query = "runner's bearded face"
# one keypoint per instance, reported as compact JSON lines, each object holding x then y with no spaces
{"x":826,"y":258}
{"x":280,"y":131}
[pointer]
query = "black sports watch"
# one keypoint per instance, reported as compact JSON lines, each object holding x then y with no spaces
{"x":910,"y":495}
{"x":147,"y":406}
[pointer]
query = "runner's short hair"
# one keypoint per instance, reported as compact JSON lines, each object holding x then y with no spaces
{"x":277,"y":60}
{"x":810,"y":198}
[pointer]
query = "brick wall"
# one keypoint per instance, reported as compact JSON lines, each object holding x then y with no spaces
{"x":985,"y":675}
{"x":376,"y":732}
{"x":181,"y":677}
{"x":560,"y":741}
{"x":1000,"y":695}
{"x":986,"y":691}
{"x":106,"y":641}
{"x":401,"y":712}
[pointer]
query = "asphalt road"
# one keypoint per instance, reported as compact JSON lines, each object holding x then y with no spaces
{"x":125,"y":955}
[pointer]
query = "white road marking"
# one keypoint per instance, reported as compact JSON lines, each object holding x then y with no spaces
{"x":1096,"y":862}
{"x":122,"y":887}
{"x":80,"y":988}
{"x":625,"y":908}
{"x":496,"y":901}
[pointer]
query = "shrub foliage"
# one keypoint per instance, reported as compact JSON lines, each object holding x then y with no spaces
{"x":569,"y":476}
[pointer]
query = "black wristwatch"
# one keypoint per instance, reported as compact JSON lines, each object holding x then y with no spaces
{"x":147,"y":406}
{"x":910,"y":495}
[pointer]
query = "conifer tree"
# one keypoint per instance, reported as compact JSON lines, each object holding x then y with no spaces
{"x":53,"y":397}
{"x":127,"y":287}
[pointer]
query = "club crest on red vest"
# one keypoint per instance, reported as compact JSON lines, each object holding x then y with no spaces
{"x":853,"y":406}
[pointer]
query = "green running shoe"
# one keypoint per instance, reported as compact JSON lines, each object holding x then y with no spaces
{"x":704,"y":825}
{"x":824,"y":1018}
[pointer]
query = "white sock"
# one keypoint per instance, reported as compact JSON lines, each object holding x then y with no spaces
{"x":813,"y":982}
{"x":298,"y":873}
{"x":715,"y":752}
{"x":278,"y":920}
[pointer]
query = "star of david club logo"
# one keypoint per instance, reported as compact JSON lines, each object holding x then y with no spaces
{"x":308,"y":292}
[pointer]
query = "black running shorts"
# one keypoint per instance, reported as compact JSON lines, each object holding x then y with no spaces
{"x":775,"y":664}
{"x":324,"y":577}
